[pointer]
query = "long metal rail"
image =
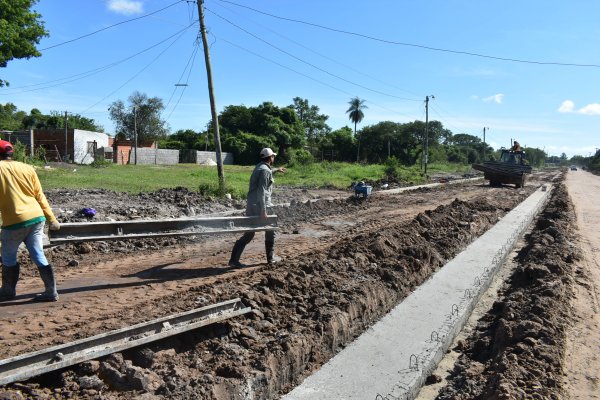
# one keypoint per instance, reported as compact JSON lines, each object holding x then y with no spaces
{"x":32,"y":364}
{"x":119,"y":230}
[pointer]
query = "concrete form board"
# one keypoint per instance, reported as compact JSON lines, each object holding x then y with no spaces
{"x":392,"y":359}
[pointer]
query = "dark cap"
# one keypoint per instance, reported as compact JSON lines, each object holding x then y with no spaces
{"x":6,"y":148}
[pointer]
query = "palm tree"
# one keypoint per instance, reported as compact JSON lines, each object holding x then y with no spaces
{"x":355,"y":114}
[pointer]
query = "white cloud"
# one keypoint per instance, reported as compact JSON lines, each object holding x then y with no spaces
{"x":568,"y":106}
{"x":126,"y":7}
{"x":497,"y":98}
{"x":590,"y":109}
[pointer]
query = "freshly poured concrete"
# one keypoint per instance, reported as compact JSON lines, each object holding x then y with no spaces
{"x":394,"y":357}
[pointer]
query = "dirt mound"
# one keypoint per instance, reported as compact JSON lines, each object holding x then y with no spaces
{"x":517,"y":350}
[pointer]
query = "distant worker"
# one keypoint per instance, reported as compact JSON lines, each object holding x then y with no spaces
{"x":258,"y":204}
{"x":516,"y":146}
{"x":24,"y":210}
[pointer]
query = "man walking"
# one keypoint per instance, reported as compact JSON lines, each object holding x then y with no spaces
{"x":24,"y":210}
{"x":258,"y":204}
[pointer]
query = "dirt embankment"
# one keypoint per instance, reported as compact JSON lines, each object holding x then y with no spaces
{"x":518,"y":348}
{"x":304,"y":310}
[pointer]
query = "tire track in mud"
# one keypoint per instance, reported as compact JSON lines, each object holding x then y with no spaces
{"x":305,"y":310}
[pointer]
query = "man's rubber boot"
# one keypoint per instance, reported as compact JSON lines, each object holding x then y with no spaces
{"x":47,"y":275}
{"x":270,"y":249}
{"x":236,"y":253}
{"x":10,"y":277}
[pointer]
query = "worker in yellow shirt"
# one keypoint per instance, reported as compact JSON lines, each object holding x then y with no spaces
{"x":24,"y":211}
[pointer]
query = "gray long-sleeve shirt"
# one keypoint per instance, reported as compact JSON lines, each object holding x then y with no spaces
{"x":260,"y":189}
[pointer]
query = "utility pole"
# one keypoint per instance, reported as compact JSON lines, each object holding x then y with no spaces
{"x":426,"y":155}
{"x":135,"y":141}
{"x":484,"y":128}
{"x":213,"y":106}
{"x":66,"y":136}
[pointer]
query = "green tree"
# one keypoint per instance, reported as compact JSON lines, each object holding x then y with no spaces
{"x":184,"y":139}
{"x":388,"y":139}
{"x":338,"y":145}
{"x":35,"y":119}
{"x":56,"y":120}
{"x":535,"y":157}
{"x":20,"y":31}
{"x":314,"y":123}
{"x":356,"y":115}
{"x":143,"y":114}
{"x":280,"y":127}
{"x":10,"y":117}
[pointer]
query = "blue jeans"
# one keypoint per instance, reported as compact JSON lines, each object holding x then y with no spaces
{"x":32,"y":236}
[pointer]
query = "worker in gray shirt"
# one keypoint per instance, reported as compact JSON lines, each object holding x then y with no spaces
{"x":258,"y":204}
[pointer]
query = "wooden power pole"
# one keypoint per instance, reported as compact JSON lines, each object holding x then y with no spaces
{"x":213,"y":106}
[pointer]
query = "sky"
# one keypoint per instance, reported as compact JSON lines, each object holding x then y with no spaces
{"x":523,"y":70}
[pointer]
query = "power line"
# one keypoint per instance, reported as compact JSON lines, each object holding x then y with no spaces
{"x":140,"y":71}
{"x":111,"y":26}
{"x":308,"y":76}
{"x":191,"y":64}
{"x":306,"y":62}
{"x":439,"y":49}
{"x":310,"y":49}
{"x":86,"y":74}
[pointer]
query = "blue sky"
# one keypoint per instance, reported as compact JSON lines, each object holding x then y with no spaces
{"x":381,"y":51}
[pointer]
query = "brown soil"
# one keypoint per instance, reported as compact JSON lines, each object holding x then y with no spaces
{"x":345,"y":264}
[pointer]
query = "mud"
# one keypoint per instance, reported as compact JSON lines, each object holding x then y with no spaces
{"x":518,"y":348}
{"x":359,"y":259}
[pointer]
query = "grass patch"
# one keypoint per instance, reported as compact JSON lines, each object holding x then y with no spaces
{"x":148,"y":178}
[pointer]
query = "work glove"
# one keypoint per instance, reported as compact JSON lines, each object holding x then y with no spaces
{"x":54,"y":225}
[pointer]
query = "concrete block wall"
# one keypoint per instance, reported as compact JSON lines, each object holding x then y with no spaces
{"x":147,"y":156}
{"x":201,"y":157}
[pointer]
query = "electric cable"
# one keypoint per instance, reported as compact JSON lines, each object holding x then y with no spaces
{"x":439,"y":49}
{"x":140,"y":71}
{"x":308,"y":63}
{"x":356,"y":70}
{"x":308,"y":76}
{"x":111,"y":26}
{"x":86,"y":74}
{"x":192,"y":59}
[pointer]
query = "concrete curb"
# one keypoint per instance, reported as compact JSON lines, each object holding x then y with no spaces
{"x":392,"y":359}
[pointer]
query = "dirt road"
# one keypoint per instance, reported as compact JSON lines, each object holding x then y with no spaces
{"x":583,"y":345}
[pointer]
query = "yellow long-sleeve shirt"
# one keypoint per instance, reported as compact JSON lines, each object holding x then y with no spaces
{"x":21,"y":197}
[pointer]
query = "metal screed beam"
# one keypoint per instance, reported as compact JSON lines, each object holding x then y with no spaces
{"x":32,"y":364}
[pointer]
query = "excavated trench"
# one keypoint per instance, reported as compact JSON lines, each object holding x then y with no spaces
{"x":304,"y":310}
{"x":517,"y":349}
{"x":309,"y":307}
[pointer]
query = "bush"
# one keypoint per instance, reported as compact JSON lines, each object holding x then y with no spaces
{"x":212,"y":190}
{"x":300,"y":157}
{"x":100,"y":163}
{"x":391,"y":168}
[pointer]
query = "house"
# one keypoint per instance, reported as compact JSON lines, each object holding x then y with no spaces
{"x":76,"y":145}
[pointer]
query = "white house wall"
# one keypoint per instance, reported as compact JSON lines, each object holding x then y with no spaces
{"x":80,"y":145}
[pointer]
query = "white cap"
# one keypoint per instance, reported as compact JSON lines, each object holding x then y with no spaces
{"x":267,"y":152}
